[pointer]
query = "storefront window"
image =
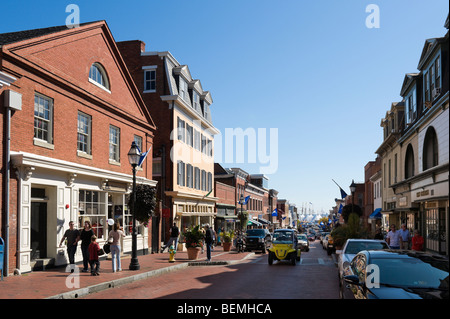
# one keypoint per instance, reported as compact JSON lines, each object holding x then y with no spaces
{"x":120,"y":212}
{"x":92,"y":208}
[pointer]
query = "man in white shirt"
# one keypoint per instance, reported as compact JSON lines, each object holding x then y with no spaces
{"x":393,"y":238}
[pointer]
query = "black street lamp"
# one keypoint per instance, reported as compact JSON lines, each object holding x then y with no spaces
{"x":353,"y":189}
{"x":242,"y":209}
{"x":134,"y":156}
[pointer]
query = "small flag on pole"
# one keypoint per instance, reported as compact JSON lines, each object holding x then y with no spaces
{"x":143,"y":157}
{"x":343,"y":193}
{"x":245,"y":200}
{"x":275,"y":212}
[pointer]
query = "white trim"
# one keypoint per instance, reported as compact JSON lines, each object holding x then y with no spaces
{"x":6,"y":79}
{"x":149,"y":67}
{"x":28,"y":159}
{"x":99,"y":85}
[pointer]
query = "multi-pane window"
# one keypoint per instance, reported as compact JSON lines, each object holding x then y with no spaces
{"x":181,"y":173}
{"x":183,"y":89}
{"x":196,"y":100}
{"x":204,"y":144}
{"x":432,"y":79}
{"x":43,"y":118}
{"x":189,"y":135}
{"x":209,"y":182}
{"x":114,"y":143}
{"x":138,"y":141}
{"x":206,"y":114}
{"x":98,"y":75}
{"x":181,"y":130}
{"x":92,"y":207}
{"x":150,"y":80}
{"x":197,"y":178}
{"x":197,"y":144}
{"x":437,"y":65}
{"x":427,"y":85}
{"x":411,"y":106}
{"x":204,"y":180}
{"x":84,"y":133}
{"x":189,"y":176}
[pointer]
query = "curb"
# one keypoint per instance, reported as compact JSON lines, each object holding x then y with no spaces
{"x":74,"y":294}
{"x":116,"y":282}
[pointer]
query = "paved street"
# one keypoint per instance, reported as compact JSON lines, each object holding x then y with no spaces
{"x":314,"y":277}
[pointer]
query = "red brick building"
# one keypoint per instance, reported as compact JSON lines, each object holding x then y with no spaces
{"x":260,"y":200}
{"x":74,"y":112}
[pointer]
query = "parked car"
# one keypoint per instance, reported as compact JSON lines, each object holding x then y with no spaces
{"x":284,"y":246}
{"x":328,"y":244}
{"x":303,"y":242}
{"x":354,"y":246}
{"x":322,"y":236}
{"x":400,"y":274}
{"x":257,"y":239}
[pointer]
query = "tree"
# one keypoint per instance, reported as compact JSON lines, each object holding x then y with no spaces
{"x":145,"y":203}
{"x":347,"y":210}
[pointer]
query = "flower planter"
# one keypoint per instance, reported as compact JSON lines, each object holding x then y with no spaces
{"x":226,"y":246}
{"x":193,"y":253}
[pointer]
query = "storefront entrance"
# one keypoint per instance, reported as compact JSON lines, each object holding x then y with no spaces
{"x":435,"y":227}
{"x":38,"y":230}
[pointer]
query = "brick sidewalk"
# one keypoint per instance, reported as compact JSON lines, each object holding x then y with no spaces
{"x":57,"y":283}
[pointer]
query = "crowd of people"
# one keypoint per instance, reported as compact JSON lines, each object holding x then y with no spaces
{"x":402,"y":238}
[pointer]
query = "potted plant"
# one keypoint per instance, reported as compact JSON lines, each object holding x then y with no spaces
{"x":193,"y":237}
{"x":227,"y":240}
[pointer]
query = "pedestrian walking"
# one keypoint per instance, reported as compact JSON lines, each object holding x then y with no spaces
{"x":378,"y":234}
{"x":85,"y":236}
{"x":203,"y":231}
{"x":94,"y":262}
{"x":214,"y":239}
{"x":73,"y":236}
{"x":417,"y":241}
{"x":174,"y":233}
{"x":114,"y":240}
{"x":209,"y":239}
{"x":405,"y":237}
{"x":393,"y":238}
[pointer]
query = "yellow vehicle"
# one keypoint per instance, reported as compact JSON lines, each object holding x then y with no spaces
{"x":284,"y":246}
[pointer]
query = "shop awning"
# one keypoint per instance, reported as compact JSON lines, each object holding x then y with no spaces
{"x":253,"y":222}
{"x":264,"y":221}
{"x":376,"y":214}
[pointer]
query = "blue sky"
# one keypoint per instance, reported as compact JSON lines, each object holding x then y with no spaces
{"x":311,"y":69}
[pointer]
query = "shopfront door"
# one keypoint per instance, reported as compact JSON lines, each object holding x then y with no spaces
{"x":38,"y":230}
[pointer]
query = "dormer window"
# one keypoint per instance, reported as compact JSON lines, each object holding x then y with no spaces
{"x":97,"y":76}
{"x":411,"y":106}
{"x":206,"y":114}
{"x":196,"y":100}
{"x":183,"y":89}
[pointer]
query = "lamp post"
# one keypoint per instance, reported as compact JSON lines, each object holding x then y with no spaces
{"x":134,"y":156}
{"x":352,"y":190}
{"x":241,"y":200}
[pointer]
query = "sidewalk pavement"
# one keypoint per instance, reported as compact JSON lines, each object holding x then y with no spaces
{"x":56,"y":283}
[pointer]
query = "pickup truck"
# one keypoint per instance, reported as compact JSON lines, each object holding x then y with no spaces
{"x":257,"y":239}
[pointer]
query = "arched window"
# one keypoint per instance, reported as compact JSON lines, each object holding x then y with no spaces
{"x":430,"y":149}
{"x":98,"y":75}
{"x":409,"y":162}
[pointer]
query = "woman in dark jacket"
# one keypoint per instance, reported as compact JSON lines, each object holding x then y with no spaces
{"x":85,"y":236}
